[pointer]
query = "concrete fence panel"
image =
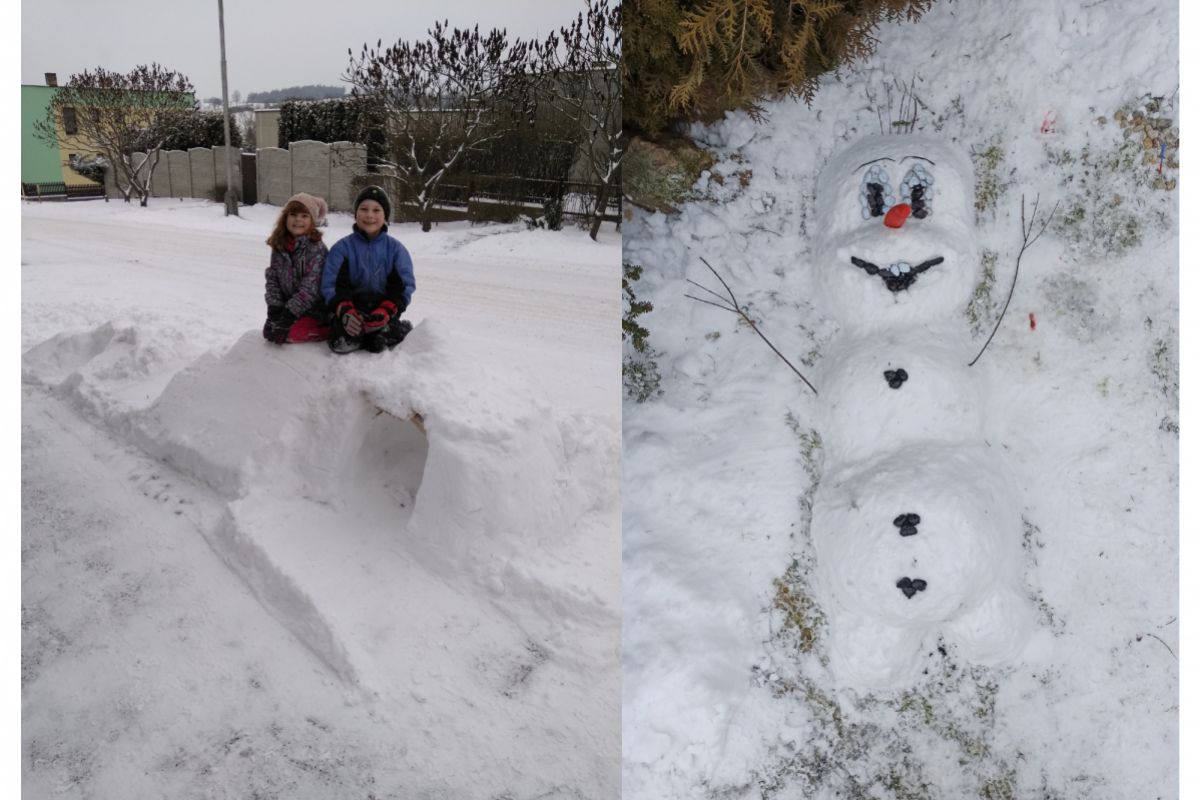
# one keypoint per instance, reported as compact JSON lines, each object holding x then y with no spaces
{"x":161,"y":185}
{"x":204,"y":182}
{"x":219,"y":167}
{"x":110,"y":183}
{"x":180,"y":167}
{"x":274,"y":176}
{"x":310,"y":168}
{"x":346,"y":160}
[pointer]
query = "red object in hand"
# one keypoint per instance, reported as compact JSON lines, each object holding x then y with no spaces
{"x":895,"y":218}
{"x":1032,"y":322}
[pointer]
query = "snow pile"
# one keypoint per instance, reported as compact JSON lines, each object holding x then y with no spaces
{"x":479,"y":464}
{"x":959,"y":583}
{"x":109,"y":370}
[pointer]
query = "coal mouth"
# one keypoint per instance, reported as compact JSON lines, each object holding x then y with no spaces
{"x":899,"y":276}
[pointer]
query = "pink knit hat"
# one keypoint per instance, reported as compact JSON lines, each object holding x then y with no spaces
{"x":317,"y":208}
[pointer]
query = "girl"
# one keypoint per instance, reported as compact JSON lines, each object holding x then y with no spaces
{"x":296,"y":311}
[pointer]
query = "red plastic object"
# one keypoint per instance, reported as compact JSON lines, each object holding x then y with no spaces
{"x":1032,"y":322}
{"x":307,"y":329}
{"x":895,"y":218}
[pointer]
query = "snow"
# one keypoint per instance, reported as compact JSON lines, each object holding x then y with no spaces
{"x":767,"y":648}
{"x":267,"y":570}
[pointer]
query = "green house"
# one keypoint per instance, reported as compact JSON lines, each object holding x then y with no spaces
{"x":46,"y":164}
{"x":40,"y":162}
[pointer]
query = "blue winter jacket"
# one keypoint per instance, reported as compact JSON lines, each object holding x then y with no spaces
{"x":355,"y":265}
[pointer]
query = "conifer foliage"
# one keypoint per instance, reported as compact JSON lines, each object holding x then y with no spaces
{"x":699,"y":58}
{"x":185,"y":130}
{"x":351,"y":119}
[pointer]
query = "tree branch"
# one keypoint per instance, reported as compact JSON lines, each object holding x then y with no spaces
{"x":736,"y":308}
{"x":1025,"y":244}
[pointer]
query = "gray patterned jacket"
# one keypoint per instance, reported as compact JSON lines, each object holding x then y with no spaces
{"x":294,"y":278}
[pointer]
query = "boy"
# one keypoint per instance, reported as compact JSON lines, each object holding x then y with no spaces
{"x":368,"y":280}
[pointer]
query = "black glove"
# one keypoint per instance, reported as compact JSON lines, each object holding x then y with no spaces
{"x":352,"y":321}
{"x":276,"y":330}
{"x":273,"y":313}
{"x":380,"y":317}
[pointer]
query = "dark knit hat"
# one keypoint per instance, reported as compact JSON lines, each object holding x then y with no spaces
{"x":377,"y":194}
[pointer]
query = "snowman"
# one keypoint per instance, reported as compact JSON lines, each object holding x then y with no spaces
{"x":915,"y":522}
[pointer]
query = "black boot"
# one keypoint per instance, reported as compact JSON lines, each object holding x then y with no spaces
{"x":374,"y":342}
{"x":395,"y":332}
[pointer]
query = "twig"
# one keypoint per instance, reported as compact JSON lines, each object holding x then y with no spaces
{"x":737,"y":309}
{"x":1026,"y":242}
{"x":1164,"y":644}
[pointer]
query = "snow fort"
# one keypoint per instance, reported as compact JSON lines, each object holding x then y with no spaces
{"x":351,"y":494}
{"x":916,"y":522}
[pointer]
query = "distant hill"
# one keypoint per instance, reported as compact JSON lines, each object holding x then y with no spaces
{"x":296,"y":92}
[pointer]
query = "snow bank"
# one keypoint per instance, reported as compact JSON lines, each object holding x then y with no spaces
{"x":337,"y":470}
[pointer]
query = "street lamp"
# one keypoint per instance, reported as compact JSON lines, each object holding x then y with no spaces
{"x":231,"y":206}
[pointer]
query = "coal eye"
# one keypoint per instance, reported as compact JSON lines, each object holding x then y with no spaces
{"x":875,"y":196}
{"x":917,"y":191}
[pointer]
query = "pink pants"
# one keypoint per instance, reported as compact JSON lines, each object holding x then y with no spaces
{"x":307,"y":329}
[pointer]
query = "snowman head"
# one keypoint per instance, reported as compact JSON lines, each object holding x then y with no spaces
{"x":895,"y":241}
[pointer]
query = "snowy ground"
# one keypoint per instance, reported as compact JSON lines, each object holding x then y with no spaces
{"x":246,"y":572}
{"x":727,"y":685}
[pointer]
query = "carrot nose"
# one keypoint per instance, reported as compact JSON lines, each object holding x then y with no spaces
{"x":895,"y":218}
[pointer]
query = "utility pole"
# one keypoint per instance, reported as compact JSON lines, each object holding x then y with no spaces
{"x":231,"y":206}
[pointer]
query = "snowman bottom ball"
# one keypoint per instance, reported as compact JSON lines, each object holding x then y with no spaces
{"x":917,"y":543}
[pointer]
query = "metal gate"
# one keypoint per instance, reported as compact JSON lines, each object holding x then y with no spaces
{"x":249,"y":179}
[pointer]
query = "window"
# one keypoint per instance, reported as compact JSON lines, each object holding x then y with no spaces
{"x":95,"y":114}
{"x":69,"y":122}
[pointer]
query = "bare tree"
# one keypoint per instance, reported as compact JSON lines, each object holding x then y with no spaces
{"x":443,"y":98}
{"x":102,"y":113}
{"x":245,"y":123}
{"x":579,"y":75}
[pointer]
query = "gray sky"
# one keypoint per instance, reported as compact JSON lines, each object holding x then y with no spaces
{"x":269,"y":44}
